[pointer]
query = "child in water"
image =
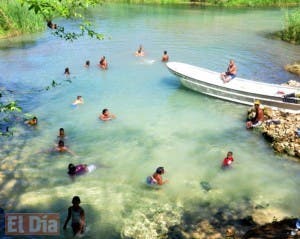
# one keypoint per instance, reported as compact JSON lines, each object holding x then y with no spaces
{"x":32,"y":121}
{"x":156,"y":178}
{"x":78,"y":218}
{"x":79,"y":100}
{"x":106,"y":115}
{"x":228,"y":160}
{"x":61,"y":134}
{"x":77,"y":170}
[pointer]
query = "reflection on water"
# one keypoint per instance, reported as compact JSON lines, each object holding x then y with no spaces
{"x":159,"y":122}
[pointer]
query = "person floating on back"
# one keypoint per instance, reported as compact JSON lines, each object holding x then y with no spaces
{"x":156,"y":178}
{"x":76,"y":213}
{"x":106,"y":115}
{"x":165,"y":57}
{"x":103,"y":63}
{"x":61,"y":134}
{"x":230,"y":73}
{"x":258,"y":118}
{"x":228,"y":160}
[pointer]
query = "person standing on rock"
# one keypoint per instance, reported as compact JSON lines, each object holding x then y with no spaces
{"x":259,"y":116}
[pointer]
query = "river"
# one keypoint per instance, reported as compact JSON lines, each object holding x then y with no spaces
{"x":158,"y":122}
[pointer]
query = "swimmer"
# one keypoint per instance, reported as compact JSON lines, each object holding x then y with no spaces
{"x":103,"y":63}
{"x":87,"y":64}
{"x":78,"y":218}
{"x":106,"y":115}
{"x":156,"y":178}
{"x":77,"y":170}
{"x":67,"y":71}
{"x":61,"y":148}
{"x":79,"y":100}
{"x":32,"y":122}
{"x":61,"y":134}
{"x":228,"y":160}
{"x":140,"y":51}
{"x":165,"y":57}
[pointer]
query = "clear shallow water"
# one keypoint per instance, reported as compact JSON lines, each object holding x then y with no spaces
{"x":159,"y":123}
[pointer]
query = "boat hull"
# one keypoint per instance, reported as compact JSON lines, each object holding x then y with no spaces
{"x":233,"y":91}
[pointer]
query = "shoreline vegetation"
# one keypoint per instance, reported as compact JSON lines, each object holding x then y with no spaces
{"x":16,"y":19}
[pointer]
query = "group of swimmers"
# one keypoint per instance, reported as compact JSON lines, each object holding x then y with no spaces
{"x":104,"y":65}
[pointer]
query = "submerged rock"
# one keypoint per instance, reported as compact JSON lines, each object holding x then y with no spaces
{"x":284,"y":229}
{"x":205,"y":186}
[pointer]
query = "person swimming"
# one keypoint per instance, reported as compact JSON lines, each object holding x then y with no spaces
{"x":140,"y":51}
{"x":67,"y":71}
{"x":103,"y":63}
{"x":79,"y":100}
{"x":75,"y":170}
{"x":106,"y":115}
{"x":165,"y":57}
{"x":32,"y":122}
{"x":87,"y":64}
{"x":156,"y":178}
{"x":228,"y":160}
{"x":61,"y":148}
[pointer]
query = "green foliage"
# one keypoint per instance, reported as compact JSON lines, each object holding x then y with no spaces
{"x":16,"y":19}
{"x":291,"y":32}
{"x":68,"y":9}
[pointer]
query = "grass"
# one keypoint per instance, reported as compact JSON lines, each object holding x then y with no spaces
{"x":291,"y":32}
{"x":226,"y":3}
{"x":16,"y":19}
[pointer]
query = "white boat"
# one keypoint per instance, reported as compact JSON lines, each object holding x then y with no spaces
{"x":237,"y":90}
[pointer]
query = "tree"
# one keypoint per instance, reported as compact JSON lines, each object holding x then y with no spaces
{"x":68,"y":9}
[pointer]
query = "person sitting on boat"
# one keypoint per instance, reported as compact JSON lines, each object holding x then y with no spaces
{"x":259,"y":116}
{"x":230,"y":73}
{"x":165,"y":57}
{"x":140,"y":51}
{"x":156,"y":178}
{"x":228,"y":160}
{"x":106,"y":115}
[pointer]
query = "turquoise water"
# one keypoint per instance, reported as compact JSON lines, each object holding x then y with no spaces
{"x":159,"y":123}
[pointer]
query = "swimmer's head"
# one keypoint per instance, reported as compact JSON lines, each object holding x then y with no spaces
{"x":71,"y":168}
{"x":79,"y":97}
{"x":76,"y":200}
{"x":229,"y":154}
{"x":87,"y":63}
{"x":160,"y":170}
{"x":165,"y":52}
{"x":35,"y":120}
{"x":104,"y":111}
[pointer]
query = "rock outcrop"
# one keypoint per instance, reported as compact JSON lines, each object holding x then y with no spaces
{"x":283,"y":131}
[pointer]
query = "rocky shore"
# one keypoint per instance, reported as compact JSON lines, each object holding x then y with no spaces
{"x":282,"y":129}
